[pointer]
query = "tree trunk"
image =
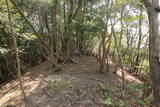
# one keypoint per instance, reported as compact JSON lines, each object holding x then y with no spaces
{"x":103,"y":58}
{"x":16,"y":52}
{"x":68,"y":36}
{"x":120,"y":61}
{"x":138,"y":57}
{"x":154,"y":47}
{"x":54,"y":36}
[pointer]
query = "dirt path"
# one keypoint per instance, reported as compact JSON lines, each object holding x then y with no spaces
{"x":77,"y":85}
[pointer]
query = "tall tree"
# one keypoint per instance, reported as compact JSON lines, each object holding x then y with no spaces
{"x":54,"y":35}
{"x":154,"y":47}
{"x":138,"y":56}
{"x":104,"y":42}
{"x":16,"y":52}
{"x":68,"y":36}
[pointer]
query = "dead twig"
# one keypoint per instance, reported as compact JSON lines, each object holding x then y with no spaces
{"x":95,"y":79}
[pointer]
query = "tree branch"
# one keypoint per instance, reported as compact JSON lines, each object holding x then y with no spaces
{"x":147,"y":3}
{"x":80,"y":2}
{"x":157,"y":9}
{"x":149,"y":6}
{"x":28,"y":22}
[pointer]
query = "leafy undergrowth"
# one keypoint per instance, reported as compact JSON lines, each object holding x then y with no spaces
{"x":76,"y":85}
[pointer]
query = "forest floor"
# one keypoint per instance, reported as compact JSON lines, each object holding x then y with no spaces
{"x":76,"y":85}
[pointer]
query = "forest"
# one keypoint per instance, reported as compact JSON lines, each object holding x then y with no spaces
{"x":79,"y":53}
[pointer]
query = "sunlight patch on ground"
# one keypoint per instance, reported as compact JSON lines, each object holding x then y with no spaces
{"x":13,"y":93}
{"x":128,"y":77}
{"x":9,"y":96}
{"x":80,"y":81}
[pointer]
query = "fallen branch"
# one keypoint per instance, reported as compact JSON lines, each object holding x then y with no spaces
{"x":95,"y":79}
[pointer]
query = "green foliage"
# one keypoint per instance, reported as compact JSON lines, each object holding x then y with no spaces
{"x":7,"y":65}
{"x":121,"y":104}
{"x":139,"y":101}
{"x":137,"y":87}
{"x":86,"y":29}
{"x":56,"y":68}
{"x":107,"y":90}
{"x":110,"y":101}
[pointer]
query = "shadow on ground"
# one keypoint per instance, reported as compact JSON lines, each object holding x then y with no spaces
{"x":77,"y":85}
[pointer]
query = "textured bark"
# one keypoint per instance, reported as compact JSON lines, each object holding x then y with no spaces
{"x":81,"y":36}
{"x":68,"y":36}
{"x":103,"y":58}
{"x":54,"y":36}
{"x":154,"y":47}
{"x":107,"y":53}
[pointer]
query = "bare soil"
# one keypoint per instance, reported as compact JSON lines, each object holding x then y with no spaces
{"x":76,"y":85}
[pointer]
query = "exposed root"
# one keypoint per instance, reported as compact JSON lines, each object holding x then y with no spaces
{"x":69,"y":61}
